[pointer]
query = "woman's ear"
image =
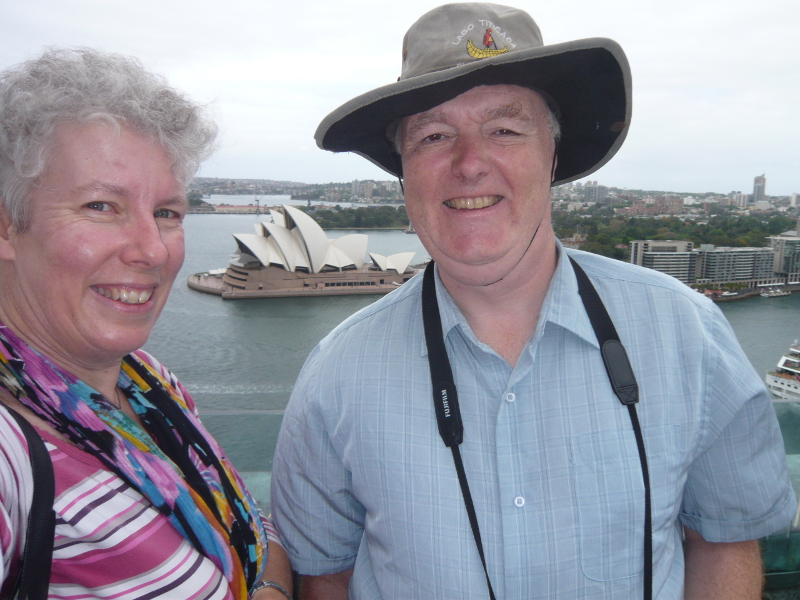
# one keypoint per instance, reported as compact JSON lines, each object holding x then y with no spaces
{"x":7,"y":234}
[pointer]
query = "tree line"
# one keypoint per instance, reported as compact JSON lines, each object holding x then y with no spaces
{"x":373,"y":217}
{"x":609,"y":235}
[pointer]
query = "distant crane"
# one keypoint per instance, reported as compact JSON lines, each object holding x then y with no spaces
{"x":258,"y":204}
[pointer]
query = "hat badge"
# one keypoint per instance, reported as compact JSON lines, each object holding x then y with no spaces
{"x":489,"y":47}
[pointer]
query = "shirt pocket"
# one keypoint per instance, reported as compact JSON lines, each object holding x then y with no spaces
{"x":609,"y":491}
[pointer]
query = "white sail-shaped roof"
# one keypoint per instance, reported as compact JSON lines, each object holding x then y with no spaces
{"x":396,"y":262}
{"x":337,"y":258}
{"x":260,"y":247}
{"x":295,"y":241}
{"x":277,"y":218}
{"x":310,"y":234}
{"x":354,"y":245}
{"x":301,"y":257}
{"x":286,"y":244}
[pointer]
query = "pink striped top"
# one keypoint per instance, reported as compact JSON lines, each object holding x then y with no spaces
{"x":109,"y":541}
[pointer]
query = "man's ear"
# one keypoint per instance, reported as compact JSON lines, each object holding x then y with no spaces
{"x":555,"y":164}
{"x":8,"y":233}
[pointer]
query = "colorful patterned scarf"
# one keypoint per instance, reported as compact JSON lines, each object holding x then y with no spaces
{"x":180,"y":469}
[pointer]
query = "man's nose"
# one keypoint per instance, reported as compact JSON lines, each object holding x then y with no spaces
{"x":470,"y":158}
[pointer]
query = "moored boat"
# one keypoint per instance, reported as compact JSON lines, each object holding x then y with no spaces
{"x":784,"y":381}
{"x":774,"y":293}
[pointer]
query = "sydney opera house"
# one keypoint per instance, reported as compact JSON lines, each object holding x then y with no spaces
{"x":292,"y":256}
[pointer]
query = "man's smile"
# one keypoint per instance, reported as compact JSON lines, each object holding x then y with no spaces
{"x":473,"y":203}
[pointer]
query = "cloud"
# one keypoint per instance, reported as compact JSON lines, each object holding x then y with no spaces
{"x":715,"y":83}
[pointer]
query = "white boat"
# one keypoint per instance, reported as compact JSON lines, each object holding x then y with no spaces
{"x":784,"y":381}
{"x":774,"y":293}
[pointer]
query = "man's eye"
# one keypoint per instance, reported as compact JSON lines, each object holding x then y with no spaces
{"x":100,"y":206}
{"x":434,"y":137}
{"x":506,"y":132}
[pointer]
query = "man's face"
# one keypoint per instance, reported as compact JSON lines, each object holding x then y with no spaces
{"x":477,"y":179}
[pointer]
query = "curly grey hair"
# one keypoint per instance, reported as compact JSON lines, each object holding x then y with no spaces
{"x":85,"y":85}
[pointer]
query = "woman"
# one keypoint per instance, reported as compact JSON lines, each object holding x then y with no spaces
{"x":94,"y":156}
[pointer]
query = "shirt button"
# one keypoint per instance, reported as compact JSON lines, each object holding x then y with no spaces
{"x":510,"y":397}
{"x":519,"y":501}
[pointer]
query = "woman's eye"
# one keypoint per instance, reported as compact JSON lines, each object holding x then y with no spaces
{"x":165,"y":213}
{"x":101,"y":206}
{"x":506,"y":132}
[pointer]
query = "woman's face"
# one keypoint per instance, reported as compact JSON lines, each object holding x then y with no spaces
{"x":87,"y":280}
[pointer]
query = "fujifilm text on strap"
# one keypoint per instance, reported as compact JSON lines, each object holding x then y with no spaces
{"x":448,"y":413}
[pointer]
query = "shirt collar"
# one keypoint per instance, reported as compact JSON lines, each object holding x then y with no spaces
{"x":562,"y":305}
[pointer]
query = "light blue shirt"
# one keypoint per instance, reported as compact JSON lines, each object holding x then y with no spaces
{"x":362,"y":480}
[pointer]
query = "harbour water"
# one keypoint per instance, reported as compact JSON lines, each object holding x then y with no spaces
{"x":239,"y":359}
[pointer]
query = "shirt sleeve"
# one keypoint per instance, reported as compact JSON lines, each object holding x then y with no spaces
{"x":315,"y":512}
{"x":738,"y":486}
{"x":16,"y":487}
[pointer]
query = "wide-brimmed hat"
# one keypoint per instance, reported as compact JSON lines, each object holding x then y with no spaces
{"x":456,"y":47}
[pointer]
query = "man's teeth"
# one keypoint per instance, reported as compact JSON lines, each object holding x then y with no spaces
{"x":472,"y":203}
{"x":124,"y":295}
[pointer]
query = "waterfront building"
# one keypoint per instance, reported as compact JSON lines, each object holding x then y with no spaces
{"x":291,"y":256}
{"x":752,"y":267}
{"x":786,"y":255}
{"x":673,"y":257}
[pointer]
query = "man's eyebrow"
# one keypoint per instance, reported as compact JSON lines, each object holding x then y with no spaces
{"x":509,"y":111}
{"x":419,"y":121}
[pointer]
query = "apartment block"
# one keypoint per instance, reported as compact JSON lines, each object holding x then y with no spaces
{"x":673,"y":257}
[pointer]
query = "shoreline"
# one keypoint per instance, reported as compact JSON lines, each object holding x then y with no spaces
{"x":750,"y":292}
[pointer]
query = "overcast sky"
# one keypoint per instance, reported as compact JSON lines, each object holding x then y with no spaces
{"x":716,"y":83}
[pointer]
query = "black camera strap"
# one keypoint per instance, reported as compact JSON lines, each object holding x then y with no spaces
{"x":448,"y":414}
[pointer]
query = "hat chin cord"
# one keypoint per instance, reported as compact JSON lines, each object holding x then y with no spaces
{"x":552,"y":178}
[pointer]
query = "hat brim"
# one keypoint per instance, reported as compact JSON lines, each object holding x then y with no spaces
{"x":589,"y":81}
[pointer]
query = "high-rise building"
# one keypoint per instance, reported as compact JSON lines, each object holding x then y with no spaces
{"x":787,"y":256}
{"x":740,"y":199}
{"x":673,"y":257}
{"x":795,"y":198}
{"x":367,"y":188}
{"x":759,"y":188}
{"x":592,"y":192}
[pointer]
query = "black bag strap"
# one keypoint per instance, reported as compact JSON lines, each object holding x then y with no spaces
{"x":448,"y":414}
{"x":33,"y":577}
{"x":445,"y":401}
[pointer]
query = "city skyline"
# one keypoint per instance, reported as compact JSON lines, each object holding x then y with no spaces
{"x":714,"y":84}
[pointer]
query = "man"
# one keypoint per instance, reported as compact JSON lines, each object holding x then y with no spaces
{"x":367,"y":496}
